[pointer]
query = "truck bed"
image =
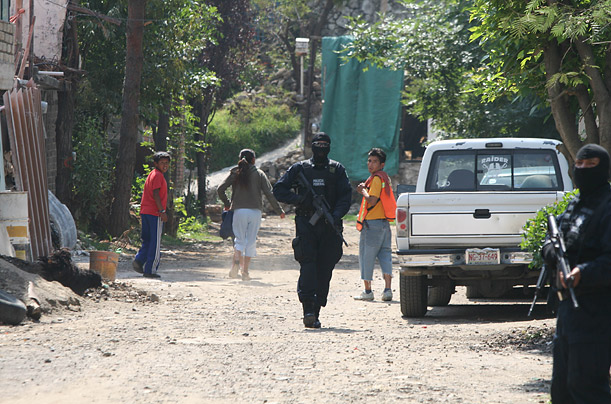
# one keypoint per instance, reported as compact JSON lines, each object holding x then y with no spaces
{"x":468,"y":219}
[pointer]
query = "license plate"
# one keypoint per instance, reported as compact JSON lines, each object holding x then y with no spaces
{"x":482,"y":256}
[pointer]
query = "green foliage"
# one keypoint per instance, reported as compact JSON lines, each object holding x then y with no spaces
{"x":442,"y":64}
{"x":102,"y":52}
{"x":535,"y":229}
{"x":192,"y":227}
{"x":249,"y":124}
{"x":172,"y":46}
{"x":91,"y":178}
{"x":516,"y":36}
{"x":138,"y":188}
{"x":174,"y":36}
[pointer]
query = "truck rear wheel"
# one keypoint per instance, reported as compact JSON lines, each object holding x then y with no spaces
{"x":413,"y":293}
{"x":440,"y":295}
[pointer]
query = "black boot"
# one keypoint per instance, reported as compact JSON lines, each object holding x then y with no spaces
{"x":310,"y":318}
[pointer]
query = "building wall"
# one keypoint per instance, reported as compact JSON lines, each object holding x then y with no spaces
{"x":48,"y":28}
{"x":7,"y":57}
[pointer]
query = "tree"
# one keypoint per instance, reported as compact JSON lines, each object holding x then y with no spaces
{"x":433,"y":47}
{"x":285,"y":20}
{"x":282,"y":21}
{"x":119,"y":211}
{"x":226,"y":56}
{"x":176,"y":31}
{"x":65,"y":114}
{"x":560,"y":48}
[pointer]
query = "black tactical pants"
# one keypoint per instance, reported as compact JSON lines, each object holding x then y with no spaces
{"x":580,"y":373}
{"x":317,"y":249}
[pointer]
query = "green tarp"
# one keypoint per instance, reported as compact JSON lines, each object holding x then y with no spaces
{"x":361,"y":109}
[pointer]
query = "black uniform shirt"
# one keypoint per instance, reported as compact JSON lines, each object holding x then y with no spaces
{"x":339,"y":195}
{"x":586,"y":228}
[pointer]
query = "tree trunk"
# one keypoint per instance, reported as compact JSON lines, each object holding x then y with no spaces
{"x":160,"y":137}
{"x":119,"y":213}
{"x":600,"y":89}
{"x":63,"y":142}
{"x":64,"y":124}
{"x":201,"y":160}
{"x":285,"y":37}
{"x":314,"y":38}
{"x":559,"y":100}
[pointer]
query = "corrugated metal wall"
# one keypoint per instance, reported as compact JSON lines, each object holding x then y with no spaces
{"x":26,"y":135}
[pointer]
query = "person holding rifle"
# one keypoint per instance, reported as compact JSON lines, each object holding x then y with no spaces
{"x":320,"y":189}
{"x":582,"y":343}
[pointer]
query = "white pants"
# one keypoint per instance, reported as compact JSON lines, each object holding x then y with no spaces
{"x":246,"y":223}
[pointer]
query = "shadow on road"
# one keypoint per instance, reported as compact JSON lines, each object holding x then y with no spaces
{"x":477,"y":313}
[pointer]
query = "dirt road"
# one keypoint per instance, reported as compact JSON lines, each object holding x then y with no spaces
{"x":196,"y":336}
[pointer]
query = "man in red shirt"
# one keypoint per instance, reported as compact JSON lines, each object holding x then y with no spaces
{"x":153,"y":214}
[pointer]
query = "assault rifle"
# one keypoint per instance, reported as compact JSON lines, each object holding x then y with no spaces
{"x":321,"y":206}
{"x":562,"y":262}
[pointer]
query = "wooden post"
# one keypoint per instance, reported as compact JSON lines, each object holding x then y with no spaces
{"x":18,"y":33}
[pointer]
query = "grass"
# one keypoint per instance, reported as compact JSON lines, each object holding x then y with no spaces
{"x":350,"y":218}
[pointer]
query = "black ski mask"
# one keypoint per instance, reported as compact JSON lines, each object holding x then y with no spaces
{"x":320,"y":149}
{"x":588,"y":180}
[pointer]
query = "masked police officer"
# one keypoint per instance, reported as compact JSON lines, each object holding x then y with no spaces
{"x":318,"y":246}
{"x":582,"y":343}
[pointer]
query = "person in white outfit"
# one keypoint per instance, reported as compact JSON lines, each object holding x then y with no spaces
{"x":248,"y":183}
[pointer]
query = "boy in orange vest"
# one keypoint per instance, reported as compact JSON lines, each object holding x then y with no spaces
{"x":377,"y":210}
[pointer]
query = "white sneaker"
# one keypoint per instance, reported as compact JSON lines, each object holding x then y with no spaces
{"x":364,"y":296}
{"x":387,"y":295}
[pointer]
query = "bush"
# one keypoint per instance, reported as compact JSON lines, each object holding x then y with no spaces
{"x":91,"y":178}
{"x":535,"y":229}
{"x":248,"y":124}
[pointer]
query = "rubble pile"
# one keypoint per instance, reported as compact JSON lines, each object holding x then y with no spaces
{"x":119,"y":291}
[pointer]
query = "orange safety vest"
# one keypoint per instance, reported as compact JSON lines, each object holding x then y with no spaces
{"x":387,"y":197}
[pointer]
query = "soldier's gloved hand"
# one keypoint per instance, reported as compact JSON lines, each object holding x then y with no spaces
{"x":548,"y":252}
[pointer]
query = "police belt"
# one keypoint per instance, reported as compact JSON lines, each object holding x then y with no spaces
{"x":304,"y":212}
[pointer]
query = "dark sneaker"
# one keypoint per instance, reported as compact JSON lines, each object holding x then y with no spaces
{"x":147,"y":275}
{"x":137,"y":266}
{"x":310,"y":320}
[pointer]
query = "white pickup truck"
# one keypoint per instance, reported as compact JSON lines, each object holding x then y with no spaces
{"x":463,"y":224}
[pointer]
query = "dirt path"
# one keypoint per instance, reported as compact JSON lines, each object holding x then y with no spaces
{"x":197,"y":336}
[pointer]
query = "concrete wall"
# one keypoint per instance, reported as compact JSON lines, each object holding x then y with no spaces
{"x":48,"y":28}
{"x":7,"y":56}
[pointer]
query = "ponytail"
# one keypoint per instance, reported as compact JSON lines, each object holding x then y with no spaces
{"x":246,"y":158}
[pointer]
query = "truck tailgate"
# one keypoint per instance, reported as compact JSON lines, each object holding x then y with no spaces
{"x":442,"y":219}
